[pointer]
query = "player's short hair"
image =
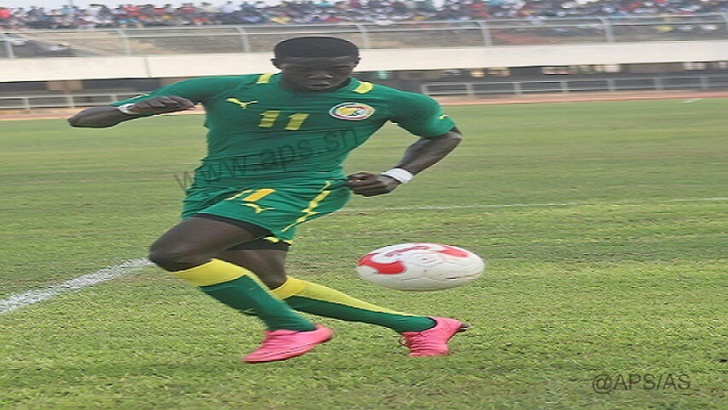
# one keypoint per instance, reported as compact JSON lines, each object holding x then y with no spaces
{"x":315,"y":47}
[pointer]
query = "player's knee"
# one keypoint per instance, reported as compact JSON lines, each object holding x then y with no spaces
{"x":273,"y":282}
{"x":174,"y":259}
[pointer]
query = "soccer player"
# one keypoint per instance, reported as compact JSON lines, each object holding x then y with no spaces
{"x":276,"y":144}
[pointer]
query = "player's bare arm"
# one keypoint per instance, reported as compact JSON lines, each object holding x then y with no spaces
{"x":422,"y":154}
{"x":426,"y":152}
{"x":108,"y":116}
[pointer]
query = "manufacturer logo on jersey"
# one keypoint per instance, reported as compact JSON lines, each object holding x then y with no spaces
{"x":242,"y":104}
{"x":351,"y":111}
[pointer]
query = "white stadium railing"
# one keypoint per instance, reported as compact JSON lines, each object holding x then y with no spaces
{"x":392,"y":35}
{"x":31,"y":102}
{"x":436,"y":35}
{"x":705,"y":82}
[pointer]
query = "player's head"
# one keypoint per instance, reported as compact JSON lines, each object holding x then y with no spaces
{"x":315,"y":63}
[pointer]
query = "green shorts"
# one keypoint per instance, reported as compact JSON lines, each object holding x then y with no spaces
{"x":276,"y":207}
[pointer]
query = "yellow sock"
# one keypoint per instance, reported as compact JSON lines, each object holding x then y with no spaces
{"x":211,"y":273}
{"x":323,"y":301}
{"x":240,"y":289}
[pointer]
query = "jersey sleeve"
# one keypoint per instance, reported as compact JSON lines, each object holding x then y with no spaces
{"x":420,"y":115}
{"x":197,"y":90}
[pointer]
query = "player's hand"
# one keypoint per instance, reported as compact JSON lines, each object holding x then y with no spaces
{"x":162,"y":105}
{"x":367,"y":184}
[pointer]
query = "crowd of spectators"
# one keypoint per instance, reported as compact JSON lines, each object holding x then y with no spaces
{"x":324,"y":11}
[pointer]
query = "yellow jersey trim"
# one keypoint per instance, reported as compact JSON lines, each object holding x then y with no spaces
{"x":364,"y":87}
{"x":264,"y":78}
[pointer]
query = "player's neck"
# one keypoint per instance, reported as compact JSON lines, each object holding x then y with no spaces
{"x":291,"y":86}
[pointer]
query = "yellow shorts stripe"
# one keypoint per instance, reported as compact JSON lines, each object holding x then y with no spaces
{"x":309,"y":211}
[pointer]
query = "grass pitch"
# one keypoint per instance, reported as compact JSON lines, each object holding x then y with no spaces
{"x":603,"y":224}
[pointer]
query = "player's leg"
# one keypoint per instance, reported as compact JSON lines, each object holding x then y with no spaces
{"x":189,"y":250}
{"x":305,"y":296}
{"x":425,"y":336}
{"x":281,"y":210}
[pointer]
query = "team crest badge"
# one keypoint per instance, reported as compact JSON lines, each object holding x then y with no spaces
{"x":351,"y":111}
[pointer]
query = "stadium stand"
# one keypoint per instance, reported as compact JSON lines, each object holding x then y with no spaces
{"x":381,"y":12}
{"x":513,"y":46}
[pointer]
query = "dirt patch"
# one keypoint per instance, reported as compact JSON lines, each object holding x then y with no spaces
{"x":55,"y":113}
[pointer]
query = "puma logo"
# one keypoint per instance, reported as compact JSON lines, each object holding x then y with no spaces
{"x":258,"y":209}
{"x":242,"y":104}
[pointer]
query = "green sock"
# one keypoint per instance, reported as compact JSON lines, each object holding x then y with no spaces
{"x":247,"y":296}
{"x":239,"y":289}
{"x":323,"y":301}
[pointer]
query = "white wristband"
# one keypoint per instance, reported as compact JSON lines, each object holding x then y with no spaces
{"x":401,"y":175}
{"x":125,"y":109}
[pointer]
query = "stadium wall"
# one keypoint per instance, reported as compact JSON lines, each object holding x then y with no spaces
{"x":175,"y":66}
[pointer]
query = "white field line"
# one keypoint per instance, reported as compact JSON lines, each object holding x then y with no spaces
{"x":22,"y":300}
{"x":19,"y":301}
{"x":544,"y":205}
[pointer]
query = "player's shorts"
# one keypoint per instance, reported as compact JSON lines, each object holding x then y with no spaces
{"x":277,"y":208}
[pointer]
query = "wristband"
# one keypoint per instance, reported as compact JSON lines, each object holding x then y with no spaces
{"x":401,"y":175}
{"x":125,"y":109}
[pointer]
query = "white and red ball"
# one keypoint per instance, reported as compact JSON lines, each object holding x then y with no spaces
{"x":420,"y":266}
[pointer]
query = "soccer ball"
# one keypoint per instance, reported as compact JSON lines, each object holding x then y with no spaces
{"x":420,"y":266}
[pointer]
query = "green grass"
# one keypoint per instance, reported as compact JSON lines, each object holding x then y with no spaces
{"x":603,"y":224}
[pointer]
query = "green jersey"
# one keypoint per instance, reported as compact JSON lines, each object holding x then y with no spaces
{"x":257,"y":130}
